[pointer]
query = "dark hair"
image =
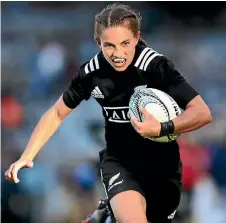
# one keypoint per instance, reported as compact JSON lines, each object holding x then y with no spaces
{"x":116,"y":14}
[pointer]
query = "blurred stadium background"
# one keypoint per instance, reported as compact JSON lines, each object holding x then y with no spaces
{"x":42,"y":45}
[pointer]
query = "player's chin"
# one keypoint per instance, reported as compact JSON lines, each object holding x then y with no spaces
{"x":120,"y":69}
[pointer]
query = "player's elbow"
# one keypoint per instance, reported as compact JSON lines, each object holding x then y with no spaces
{"x":209,"y":116}
{"x":60,"y":109}
{"x":203,"y":113}
{"x":206,"y":116}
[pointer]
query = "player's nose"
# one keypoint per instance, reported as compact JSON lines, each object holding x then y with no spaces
{"x":118,"y":53}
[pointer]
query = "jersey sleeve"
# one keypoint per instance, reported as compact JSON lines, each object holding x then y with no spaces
{"x":78,"y":90}
{"x":171,"y":81}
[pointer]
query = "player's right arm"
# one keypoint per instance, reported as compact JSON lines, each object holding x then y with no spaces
{"x":49,"y":123}
{"x":46,"y":127}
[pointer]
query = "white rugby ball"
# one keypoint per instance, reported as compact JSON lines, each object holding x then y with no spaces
{"x":159,"y":104}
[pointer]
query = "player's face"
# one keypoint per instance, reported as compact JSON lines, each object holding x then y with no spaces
{"x":118,"y":45}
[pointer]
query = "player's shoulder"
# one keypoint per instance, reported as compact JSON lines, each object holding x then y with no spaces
{"x":92,"y":65}
{"x":146,"y":56}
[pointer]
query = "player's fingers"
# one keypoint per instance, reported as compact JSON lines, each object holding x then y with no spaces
{"x":135,"y":123}
{"x":8,"y":173}
{"x":133,"y":119}
{"x":15,"y":170}
{"x":8,"y":178}
{"x":145,"y":112}
{"x":14,"y":174}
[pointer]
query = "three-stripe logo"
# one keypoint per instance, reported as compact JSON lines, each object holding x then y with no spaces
{"x":145,"y":58}
{"x":92,"y":65}
{"x":96,"y":93}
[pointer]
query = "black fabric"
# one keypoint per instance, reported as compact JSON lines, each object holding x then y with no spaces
{"x":162,"y":73}
{"x":162,"y":194}
{"x":79,"y":89}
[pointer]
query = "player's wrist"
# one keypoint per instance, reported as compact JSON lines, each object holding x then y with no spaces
{"x":166,"y":128}
{"x":158,"y":130}
{"x":26,"y":157}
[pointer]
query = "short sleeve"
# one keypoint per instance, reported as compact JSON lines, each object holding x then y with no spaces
{"x":78,"y":90}
{"x":171,"y":81}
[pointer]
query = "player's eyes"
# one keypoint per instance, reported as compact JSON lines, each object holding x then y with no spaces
{"x":125,"y":43}
{"x":108,"y":46}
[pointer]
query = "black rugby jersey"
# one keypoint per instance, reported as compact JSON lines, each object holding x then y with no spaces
{"x":112,"y":90}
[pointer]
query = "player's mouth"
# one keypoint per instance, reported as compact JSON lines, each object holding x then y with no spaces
{"x":119,"y":62}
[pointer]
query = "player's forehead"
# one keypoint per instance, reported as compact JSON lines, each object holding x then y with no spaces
{"x":116,"y":34}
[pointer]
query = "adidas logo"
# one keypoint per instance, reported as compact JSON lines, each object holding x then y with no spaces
{"x":96,"y":93}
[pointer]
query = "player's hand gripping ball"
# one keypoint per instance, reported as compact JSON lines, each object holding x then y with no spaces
{"x":148,"y":107}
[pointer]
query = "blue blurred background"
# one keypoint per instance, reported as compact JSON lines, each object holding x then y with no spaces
{"x":42,"y":45}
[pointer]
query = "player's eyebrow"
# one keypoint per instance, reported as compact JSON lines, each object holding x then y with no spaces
{"x":108,"y":43}
{"x":125,"y":41}
{"x":111,"y":44}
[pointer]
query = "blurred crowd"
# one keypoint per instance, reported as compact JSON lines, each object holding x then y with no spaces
{"x":42,"y":45}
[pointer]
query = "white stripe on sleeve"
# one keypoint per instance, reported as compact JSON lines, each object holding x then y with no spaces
{"x":96,"y":62}
{"x":145,"y":59}
{"x":86,"y":69}
{"x":150,"y":59}
{"x":141,"y":56}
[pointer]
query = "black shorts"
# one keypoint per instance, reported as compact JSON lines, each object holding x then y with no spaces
{"x":162,"y":194}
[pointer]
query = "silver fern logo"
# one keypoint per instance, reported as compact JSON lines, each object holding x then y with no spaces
{"x":112,"y":180}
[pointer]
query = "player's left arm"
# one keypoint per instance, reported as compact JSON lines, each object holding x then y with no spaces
{"x":196,"y":112}
{"x":196,"y":115}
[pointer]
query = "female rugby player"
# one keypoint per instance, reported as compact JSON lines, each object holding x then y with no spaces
{"x":142,"y":178}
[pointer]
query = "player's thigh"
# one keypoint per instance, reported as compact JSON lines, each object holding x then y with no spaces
{"x":129,"y":207}
{"x":124,"y":192}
